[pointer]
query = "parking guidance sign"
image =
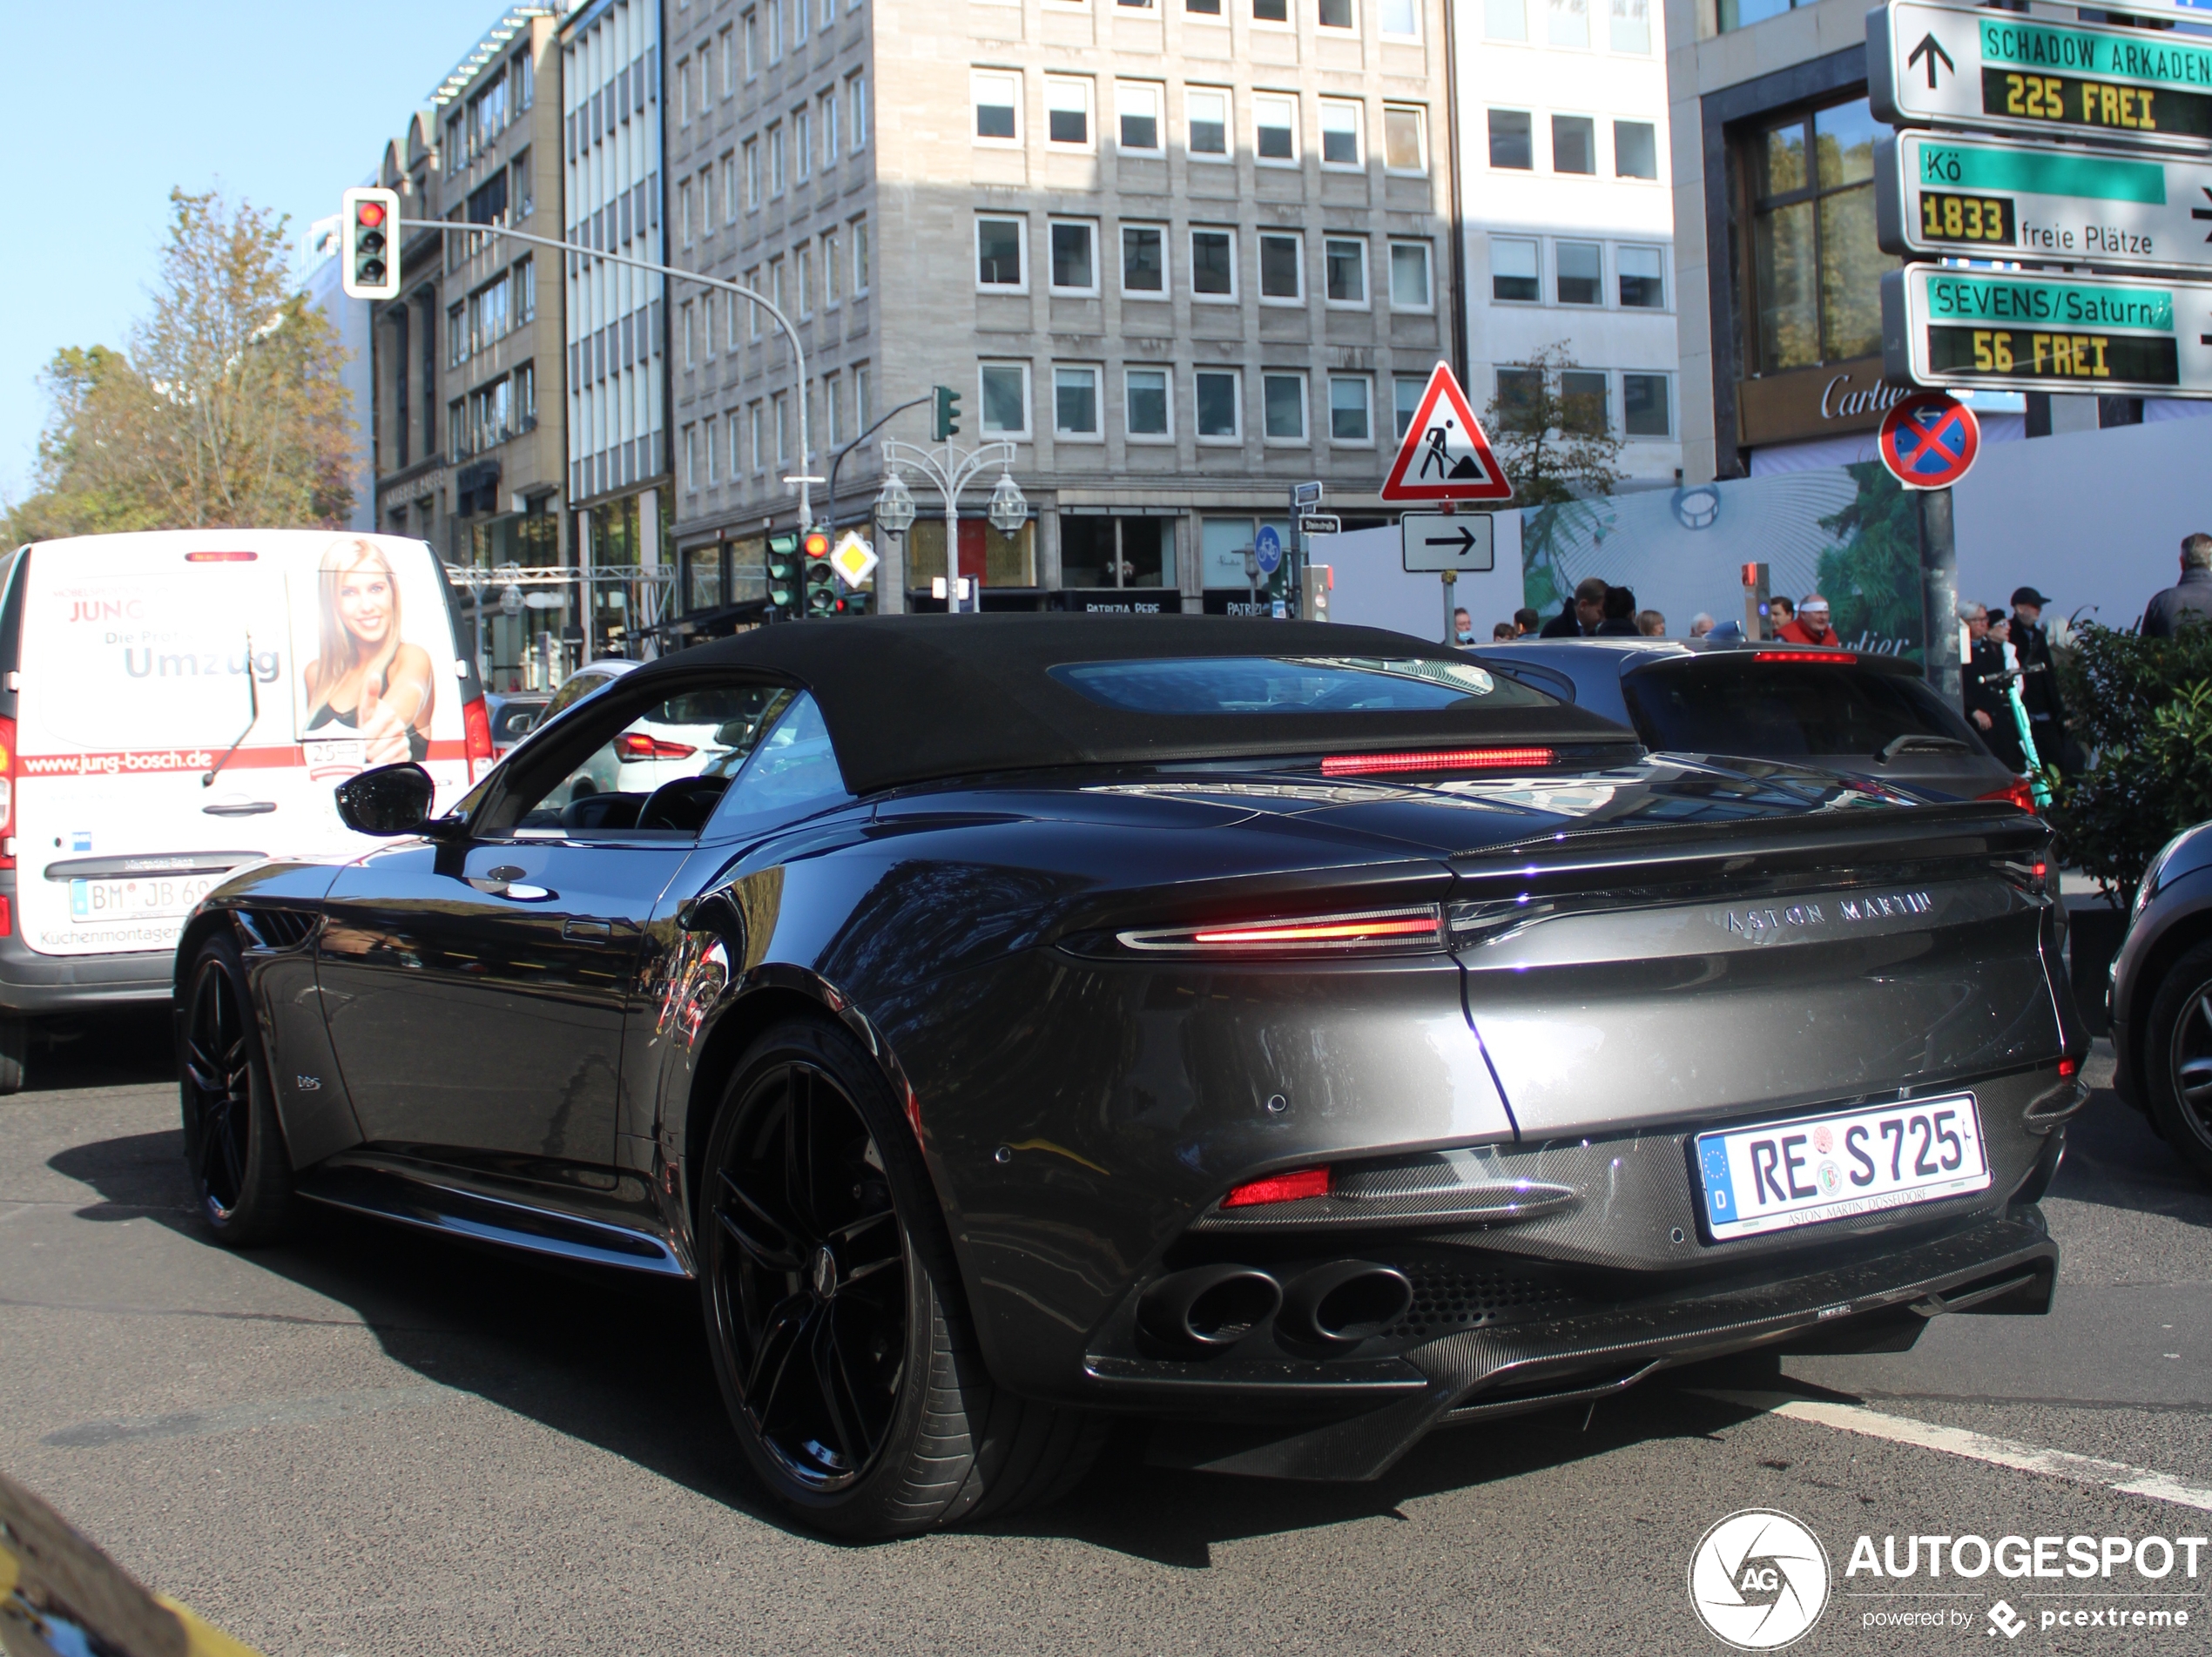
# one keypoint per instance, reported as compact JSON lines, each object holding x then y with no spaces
{"x":1932,"y":66}
{"x":2015,"y":331}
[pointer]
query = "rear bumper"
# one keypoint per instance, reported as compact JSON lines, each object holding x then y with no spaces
{"x":2004,"y":1262}
{"x":33,"y":983}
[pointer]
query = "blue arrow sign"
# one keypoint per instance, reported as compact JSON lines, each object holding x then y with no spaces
{"x":1267,"y":547}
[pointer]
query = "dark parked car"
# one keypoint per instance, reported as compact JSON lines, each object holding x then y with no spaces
{"x":1297,"y":1031}
{"x":513,"y":713}
{"x":1857,"y":713}
{"x":2161,"y":998}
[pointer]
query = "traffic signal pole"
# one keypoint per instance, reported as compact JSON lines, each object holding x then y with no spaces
{"x":798,"y":351}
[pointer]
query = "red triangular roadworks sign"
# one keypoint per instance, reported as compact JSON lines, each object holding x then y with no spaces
{"x":1445,"y":457}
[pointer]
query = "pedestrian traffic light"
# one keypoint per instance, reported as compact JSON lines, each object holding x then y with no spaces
{"x":783,"y":577}
{"x":822,"y":598}
{"x":368,"y":223}
{"x":947,"y":421}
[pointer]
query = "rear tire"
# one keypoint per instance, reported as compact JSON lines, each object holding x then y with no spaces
{"x":2177,"y":1059}
{"x":235,"y":1148}
{"x":834,"y":1313}
{"x":15,"y":1052}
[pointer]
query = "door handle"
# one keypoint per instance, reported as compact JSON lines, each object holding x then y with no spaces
{"x":588,"y":932}
{"x":242,"y":808}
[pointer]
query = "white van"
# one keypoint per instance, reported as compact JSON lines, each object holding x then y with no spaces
{"x":176,"y":704}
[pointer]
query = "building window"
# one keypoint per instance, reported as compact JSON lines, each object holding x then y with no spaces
{"x":831,"y":132}
{"x":1213,"y":264}
{"x":1573,"y":144}
{"x":998,"y":108}
{"x":526,"y":397}
{"x":1511,"y":142}
{"x":832,"y":269}
{"x":1569,"y":21}
{"x":456,"y":335}
{"x":1074,"y":402}
{"x":802,"y":266}
{"x":1404,"y":398}
{"x":1349,"y":418}
{"x":1520,"y":394}
{"x":1005,"y":400}
{"x":758,"y":423}
{"x":753,"y":312}
{"x":752,"y":174}
{"x":1335,"y":14}
{"x":1816,"y":268}
{"x":1505,"y":19}
{"x":1581,"y":395}
{"x":856,"y":102}
{"x":683,"y":327}
{"x":1401,"y":19}
{"x":522,"y":186}
{"x":684,"y":210}
{"x":1275,"y":129}
{"x":1635,"y":150}
{"x":710,"y":439}
{"x":779,"y":409}
{"x":691,"y":458}
{"x":834,"y":409}
{"x":1206,"y":113}
{"x":1202,"y":7}
{"x":1632,"y":26}
{"x":1074,"y":262}
{"x":1340,"y":134}
{"x":1512,"y":269}
{"x":863,"y":397}
{"x":1145,"y":403}
{"x":859,"y":257}
{"x":1643,"y":406}
{"x":1271,"y":11}
{"x":1136,"y":108}
{"x":752,"y":30}
{"x":1578,"y":274}
{"x":1643,"y":283}
{"x":1282,"y":268}
{"x":802,"y":142}
{"x":1143,"y":259}
{"x":1405,"y":140}
{"x":776,"y":160}
{"x":1220,"y":405}
{"x":1345,"y":266}
{"x":1067,"y":110}
{"x":1409,"y":277}
{"x":998,"y":254}
{"x":457,"y":424}
{"x":683,"y":102}
{"x":775,"y":31}
{"x":1282,"y":403}
{"x":729,"y":205}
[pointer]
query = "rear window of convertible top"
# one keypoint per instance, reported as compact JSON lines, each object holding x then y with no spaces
{"x":1279,"y":684}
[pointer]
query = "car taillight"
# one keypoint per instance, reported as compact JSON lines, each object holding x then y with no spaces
{"x":476,"y":729}
{"x":1279,"y":1187}
{"x":7,"y":918}
{"x":2018,"y":791}
{"x":7,"y":792}
{"x":1841,"y":658}
{"x":2068,"y":1066}
{"x":636,"y":745}
{"x":1371,"y":929}
{"x":1434,"y":759}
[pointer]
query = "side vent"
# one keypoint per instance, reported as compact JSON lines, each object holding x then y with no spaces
{"x":277,"y":928}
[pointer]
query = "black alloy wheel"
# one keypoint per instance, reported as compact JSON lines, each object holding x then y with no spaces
{"x":815,"y":1299}
{"x":233,"y":1149}
{"x":2177,"y":1058}
{"x":836,"y":1318}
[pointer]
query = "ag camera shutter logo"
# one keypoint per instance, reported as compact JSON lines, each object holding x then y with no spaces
{"x":1759,"y":1580}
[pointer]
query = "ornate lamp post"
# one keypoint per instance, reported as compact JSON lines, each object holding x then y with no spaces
{"x":952,"y":469}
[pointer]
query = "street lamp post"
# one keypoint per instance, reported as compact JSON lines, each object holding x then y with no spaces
{"x":953,"y":470}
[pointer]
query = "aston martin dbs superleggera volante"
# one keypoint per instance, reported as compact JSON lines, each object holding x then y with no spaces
{"x":1294,"y":1034}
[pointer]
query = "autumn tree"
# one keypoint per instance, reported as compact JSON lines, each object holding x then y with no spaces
{"x":225,"y":410}
{"x":1550,"y":433}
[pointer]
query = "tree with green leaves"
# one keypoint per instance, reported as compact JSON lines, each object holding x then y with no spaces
{"x":225,"y":410}
{"x":1551,"y":436}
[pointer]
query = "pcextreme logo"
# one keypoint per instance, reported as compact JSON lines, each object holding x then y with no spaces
{"x":1759,"y":1580}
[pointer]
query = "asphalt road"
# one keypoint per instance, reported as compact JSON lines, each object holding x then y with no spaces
{"x":368,"y":1442}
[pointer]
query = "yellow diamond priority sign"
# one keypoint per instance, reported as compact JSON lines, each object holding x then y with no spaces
{"x":854,"y":560}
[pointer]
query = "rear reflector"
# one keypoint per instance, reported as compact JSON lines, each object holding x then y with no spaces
{"x":2066,"y":1067}
{"x":1279,"y":1187}
{"x":636,"y":745}
{"x":2017,"y":791}
{"x":1840,"y":659}
{"x":1303,"y":934}
{"x":7,"y":918}
{"x":220,"y":557}
{"x":1434,"y":759}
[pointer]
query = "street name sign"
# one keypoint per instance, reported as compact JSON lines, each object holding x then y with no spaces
{"x":1430,"y":542}
{"x":2016,"y":331}
{"x":1929,"y":441}
{"x":1936,"y":65}
{"x":1445,"y":456}
{"x":1941,"y":195}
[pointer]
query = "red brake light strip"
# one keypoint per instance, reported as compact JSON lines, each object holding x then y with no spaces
{"x":1279,"y":1187}
{"x":1435,"y":759}
{"x":1366,"y":930}
{"x":1838,"y":658}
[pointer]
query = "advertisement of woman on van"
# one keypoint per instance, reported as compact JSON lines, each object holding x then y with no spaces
{"x":367,"y":682}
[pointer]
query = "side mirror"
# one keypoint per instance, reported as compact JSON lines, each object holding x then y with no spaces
{"x":392,"y":800}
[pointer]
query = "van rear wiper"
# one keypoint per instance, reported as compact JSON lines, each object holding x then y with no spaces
{"x":252,"y":718}
{"x":1919,"y":743}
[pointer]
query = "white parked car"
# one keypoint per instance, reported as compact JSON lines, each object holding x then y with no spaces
{"x":680,"y":738}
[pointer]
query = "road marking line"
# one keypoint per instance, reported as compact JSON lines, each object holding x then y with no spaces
{"x":1975,"y":1446}
{"x":241,"y":1418}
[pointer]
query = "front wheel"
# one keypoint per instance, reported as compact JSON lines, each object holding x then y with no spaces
{"x":234,"y":1149}
{"x":2177,"y":1059}
{"x":834,"y":1315}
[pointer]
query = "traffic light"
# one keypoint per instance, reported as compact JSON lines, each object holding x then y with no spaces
{"x":947,"y":412}
{"x":783,"y":577}
{"x":369,"y":223}
{"x":822,"y":598}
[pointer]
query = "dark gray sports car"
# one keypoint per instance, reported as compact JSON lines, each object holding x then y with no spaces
{"x":1296,"y":1034}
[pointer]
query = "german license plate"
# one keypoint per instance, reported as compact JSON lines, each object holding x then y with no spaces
{"x":1816,"y":1168}
{"x":143,"y":897}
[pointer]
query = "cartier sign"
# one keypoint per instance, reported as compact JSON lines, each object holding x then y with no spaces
{"x":1831,"y":402}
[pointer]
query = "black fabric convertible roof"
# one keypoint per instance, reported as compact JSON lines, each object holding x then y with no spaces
{"x":912,"y":698}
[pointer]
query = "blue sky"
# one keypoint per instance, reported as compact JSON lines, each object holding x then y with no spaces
{"x":112,"y":105}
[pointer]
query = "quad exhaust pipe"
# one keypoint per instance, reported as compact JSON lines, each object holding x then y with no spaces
{"x":1335,"y":1306}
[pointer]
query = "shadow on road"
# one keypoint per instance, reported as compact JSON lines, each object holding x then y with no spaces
{"x":125,"y":1048}
{"x":2114,"y":1160}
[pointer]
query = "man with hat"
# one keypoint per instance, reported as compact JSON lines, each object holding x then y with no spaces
{"x":2039,"y":677}
{"x":1811,"y":625}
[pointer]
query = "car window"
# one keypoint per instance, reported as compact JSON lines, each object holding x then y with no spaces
{"x":792,"y":771}
{"x":574,"y":691}
{"x":1781,"y":709}
{"x":513,"y":721}
{"x":1280,"y":684}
